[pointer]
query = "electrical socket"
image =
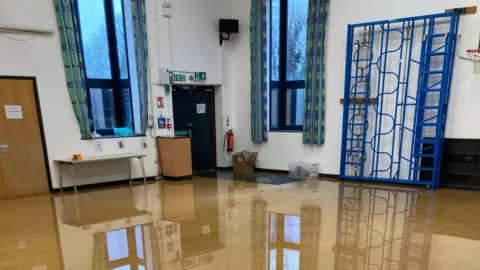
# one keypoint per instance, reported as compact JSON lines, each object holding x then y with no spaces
{"x":144,"y":143}
{"x":167,"y":9}
{"x":150,"y":121}
{"x":98,"y":146}
{"x":122,"y":144}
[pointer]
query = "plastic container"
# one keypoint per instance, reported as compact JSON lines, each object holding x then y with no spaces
{"x":303,"y":169}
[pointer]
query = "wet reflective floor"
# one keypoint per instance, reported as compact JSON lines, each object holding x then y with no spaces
{"x":208,"y":223}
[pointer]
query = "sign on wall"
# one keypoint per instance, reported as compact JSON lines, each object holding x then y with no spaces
{"x":179,"y":77}
{"x":185,"y":77}
{"x":13,"y":112}
{"x":162,"y":123}
{"x":200,"y":76}
{"x":160,"y":104}
{"x":201,"y":108}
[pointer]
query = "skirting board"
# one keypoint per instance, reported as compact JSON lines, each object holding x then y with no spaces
{"x":105,"y":184}
{"x":327,"y":175}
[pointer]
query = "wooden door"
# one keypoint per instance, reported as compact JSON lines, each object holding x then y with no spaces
{"x":22,"y":161}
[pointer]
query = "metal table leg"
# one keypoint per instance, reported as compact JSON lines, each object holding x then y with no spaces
{"x":72,"y":168}
{"x":142,"y":164}
{"x":143,"y":170}
{"x":60,"y":175}
{"x":77,"y":208}
{"x":130,"y":171}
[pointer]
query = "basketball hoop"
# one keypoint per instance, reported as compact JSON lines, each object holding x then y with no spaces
{"x":475,"y":57}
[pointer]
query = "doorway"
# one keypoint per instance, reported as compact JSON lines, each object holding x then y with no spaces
{"x":194,"y":114}
{"x":23,"y":159}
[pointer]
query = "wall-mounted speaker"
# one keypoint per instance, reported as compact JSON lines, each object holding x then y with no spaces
{"x":227,"y":27}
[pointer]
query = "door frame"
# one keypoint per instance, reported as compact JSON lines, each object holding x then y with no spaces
{"x":180,"y":87}
{"x":40,"y":122}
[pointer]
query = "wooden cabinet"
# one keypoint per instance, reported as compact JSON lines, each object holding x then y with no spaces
{"x":175,"y":156}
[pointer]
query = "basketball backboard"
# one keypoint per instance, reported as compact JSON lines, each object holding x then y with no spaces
{"x":470,"y":37}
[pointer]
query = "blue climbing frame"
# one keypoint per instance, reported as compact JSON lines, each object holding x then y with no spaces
{"x":397,"y":84}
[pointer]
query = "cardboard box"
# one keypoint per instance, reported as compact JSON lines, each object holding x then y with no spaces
{"x":244,"y":162}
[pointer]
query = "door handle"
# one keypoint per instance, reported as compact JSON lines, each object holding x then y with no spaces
{"x":190,"y":127}
{"x":4,"y":148}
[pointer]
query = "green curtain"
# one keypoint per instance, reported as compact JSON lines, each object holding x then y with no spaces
{"x":309,"y":236}
{"x":259,"y":234}
{"x":258,"y":59}
{"x":314,"y":122}
{"x":157,"y":265}
{"x":100,"y":252}
{"x":139,"y":21}
{"x":67,"y":22}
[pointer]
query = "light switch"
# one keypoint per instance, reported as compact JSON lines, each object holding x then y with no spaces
{"x":122,"y":144}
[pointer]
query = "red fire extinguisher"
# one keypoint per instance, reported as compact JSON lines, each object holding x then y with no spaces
{"x":228,"y":140}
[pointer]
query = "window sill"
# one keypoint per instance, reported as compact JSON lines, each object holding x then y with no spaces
{"x":116,"y":137}
{"x":286,"y":131}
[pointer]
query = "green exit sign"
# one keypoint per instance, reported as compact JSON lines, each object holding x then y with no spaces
{"x":200,"y":76}
{"x":179,"y":77}
{"x":181,"y":132}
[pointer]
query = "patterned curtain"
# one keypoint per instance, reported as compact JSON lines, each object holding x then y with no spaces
{"x":309,"y":236}
{"x":259,"y":234}
{"x":100,"y":252}
{"x":258,"y":58}
{"x":139,"y":21}
{"x":68,"y":27}
{"x":314,"y":122}
{"x":157,"y":265}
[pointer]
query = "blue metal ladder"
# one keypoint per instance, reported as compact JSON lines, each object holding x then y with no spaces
{"x":424,"y":147}
{"x":416,"y":157}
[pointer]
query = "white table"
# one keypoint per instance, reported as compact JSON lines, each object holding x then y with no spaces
{"x":72,"y":163}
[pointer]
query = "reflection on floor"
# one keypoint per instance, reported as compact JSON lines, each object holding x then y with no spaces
{"x":273,"y":179}
{"x":208,"y":223}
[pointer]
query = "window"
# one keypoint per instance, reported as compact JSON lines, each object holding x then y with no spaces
{"x":284,"y":241}
{"x":107,"y":46}
{"x":288,"y":40}
{"x":126,"y":249}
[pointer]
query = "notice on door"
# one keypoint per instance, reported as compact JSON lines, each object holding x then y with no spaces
{"x":13,"y":112}
{"x":201,"y":108}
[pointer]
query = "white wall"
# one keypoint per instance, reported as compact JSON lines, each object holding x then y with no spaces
{"x":281,"y":148}
{"x":194,"y":40}
{"x":194,"y":46}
